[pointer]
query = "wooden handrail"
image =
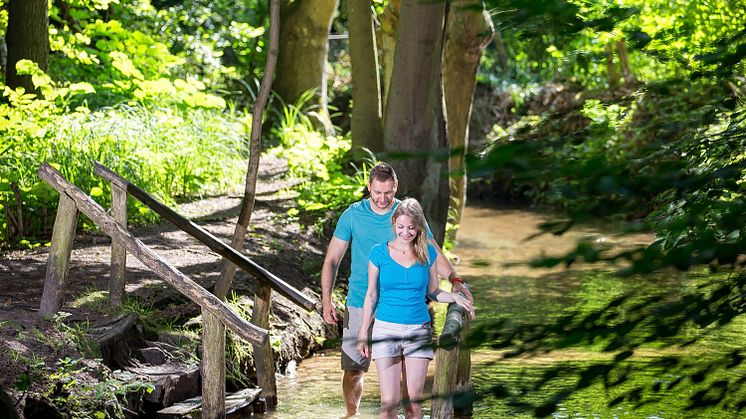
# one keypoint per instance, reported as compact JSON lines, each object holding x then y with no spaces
{"x":456,"y":318}
{"x":208,"y":239}
{"x":134,"y":246}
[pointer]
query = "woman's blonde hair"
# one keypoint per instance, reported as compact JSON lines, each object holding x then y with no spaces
{"x":413,"y":209}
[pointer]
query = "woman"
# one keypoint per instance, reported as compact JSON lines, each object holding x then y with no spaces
{"x":399,"y":273}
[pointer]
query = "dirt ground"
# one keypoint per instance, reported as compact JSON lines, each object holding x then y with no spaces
{"x":275,"y":241}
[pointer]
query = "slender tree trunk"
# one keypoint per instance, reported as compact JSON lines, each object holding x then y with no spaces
{"x":247,"y":205}
{"x":387,"y":43}
{"x":468,"y":32}
{"x":367,"y":124}
{"x":502,"y":55}
{"x":304,"y":34}
{"x":414,"y":125}
{"x":216,"y":331}
{"x":621,"y":49}
{"x":27,"y":38}
{"x":610,"y":67}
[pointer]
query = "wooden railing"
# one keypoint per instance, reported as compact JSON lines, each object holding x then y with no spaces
{"x":73,"y":200}
{"x":452,"y":381}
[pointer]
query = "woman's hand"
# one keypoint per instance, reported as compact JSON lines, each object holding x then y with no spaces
{"x":362,"y":346}
{"x":466,"y":304}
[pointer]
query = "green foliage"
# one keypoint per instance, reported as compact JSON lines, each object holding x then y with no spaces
{"x":74,"y":335}
{"x":171,"y":152}
{"x":316,"y":161}
{"x":71,"y":389}
{"x":167,"y":137}
{"x":665,"y":152}
{"x":219,"y":41}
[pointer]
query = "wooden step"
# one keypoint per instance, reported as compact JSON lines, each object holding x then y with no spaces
{"x":234,"y":403}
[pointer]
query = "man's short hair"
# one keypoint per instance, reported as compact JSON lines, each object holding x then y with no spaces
{"x":383,"y":172}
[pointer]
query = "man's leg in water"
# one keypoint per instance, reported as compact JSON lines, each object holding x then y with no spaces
{"x":352,"y":388}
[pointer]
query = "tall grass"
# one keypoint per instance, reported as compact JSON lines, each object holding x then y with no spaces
{"x":170,"y":152}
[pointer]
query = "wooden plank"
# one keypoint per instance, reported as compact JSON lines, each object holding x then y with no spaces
{"x":137,"y":248}
{"x":58,"y":264}
{"x":452,"y":363}
{"x":213,"y":367}
{"x":217,"y":245}
{"x":233,"y":402}
{"x":240,"y":399}
{"x":263,"y":359}
{"x":463,"y":377}
{"x":117,"y":278}
{"x":444,"y":382}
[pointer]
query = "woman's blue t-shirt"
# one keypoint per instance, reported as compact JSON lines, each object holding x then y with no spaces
{"x":401,"y":291}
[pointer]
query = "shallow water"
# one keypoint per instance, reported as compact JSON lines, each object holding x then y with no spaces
{"x":488,"y":239}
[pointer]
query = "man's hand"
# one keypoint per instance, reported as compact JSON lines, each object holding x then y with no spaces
{"x":459,"y":287}
{"x":329,"y":313}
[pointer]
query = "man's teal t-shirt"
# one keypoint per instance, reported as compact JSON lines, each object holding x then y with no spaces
{"x":360,"y":225}
{"x":401,"y":290}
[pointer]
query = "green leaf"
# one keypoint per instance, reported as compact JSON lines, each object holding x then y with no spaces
{"x":96,"y":191}
{"x":23,"y":382}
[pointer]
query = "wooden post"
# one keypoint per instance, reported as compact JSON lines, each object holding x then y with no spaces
{"x":452,"y":366}
{"x":117,"y":278}
{"x":263,"y":360}
{"x":58,"y":264}
{"x":213,"y":367}
{"x":135,"y":247}
{"x":462,"y":405}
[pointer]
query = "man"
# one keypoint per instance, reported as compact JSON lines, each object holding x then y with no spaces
{"x":365,"y":223}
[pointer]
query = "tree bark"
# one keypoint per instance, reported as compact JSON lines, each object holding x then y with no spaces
{"x":468,"y":32}
{"x":502,"y":55}
{"x":387,"y":43}
{"x":414,"y":126}
{"x":304,"y":33}
{"x":367,"y":123}
{"x":27,"y":38}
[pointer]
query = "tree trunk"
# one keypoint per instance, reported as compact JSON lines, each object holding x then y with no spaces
{"x":610,"y":67}
{"x":27,"y":38}
{"x":223,"y":284}
{"x":387,"y":43}
{"x":367,"y":124}
{"x":304,"y":33}
{"x":502,"y":55}
{"x":247,"y":206}
{"x":621,"y":49}
{"x":468,"y":32}
{"x":414,"y":126}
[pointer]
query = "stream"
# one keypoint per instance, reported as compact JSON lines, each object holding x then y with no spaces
{"x":488,"y":239}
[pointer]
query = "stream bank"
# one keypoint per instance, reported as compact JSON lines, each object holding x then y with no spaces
{"x":57,"y":360}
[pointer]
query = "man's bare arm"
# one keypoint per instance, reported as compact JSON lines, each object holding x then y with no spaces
{"x":334,"y":253}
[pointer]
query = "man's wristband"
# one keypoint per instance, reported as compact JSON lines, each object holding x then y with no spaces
{"x":456,"y":280}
